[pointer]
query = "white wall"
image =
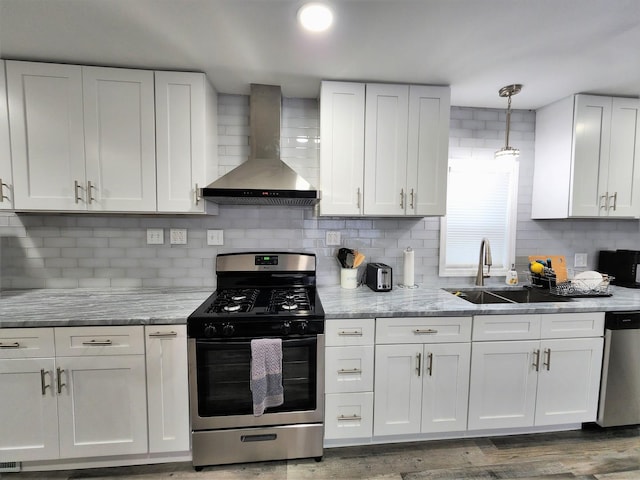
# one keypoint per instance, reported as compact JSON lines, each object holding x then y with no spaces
{"x":69,"y":251}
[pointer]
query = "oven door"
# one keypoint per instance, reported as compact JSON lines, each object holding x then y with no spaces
{"x":219,"y":383}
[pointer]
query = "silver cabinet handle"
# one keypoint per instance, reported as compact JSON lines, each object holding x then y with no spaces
{"x":198,"y":194}
{"x":43,"y":382}
{"x":2,"y":195}
{"x":402,"y":198}
{"x":76,"y":189}
{"x":536,"y":363}
{"x":430,"y":364}
{"x":615,"y":201}
{"x":98,"y":342}
{"x":344,"y":371}
{"x":547,"y":352}
{"x":9,"y":345}
{"x":342,"y":418}
{"x":90,"y":196}
{"x":428,"y":331}
{"x":59,"y":372}
{"x":350,"y":333}
{"x":419,"y":363}
{"x":411,"y":202}
{"x":163,"y":334}
{"x":358,"y":199}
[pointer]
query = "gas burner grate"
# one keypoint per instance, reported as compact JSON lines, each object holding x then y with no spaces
{"x":234,"y":300}
{"x":289,"y":300}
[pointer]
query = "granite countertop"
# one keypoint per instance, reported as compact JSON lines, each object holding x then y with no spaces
{"x":53,"y":307}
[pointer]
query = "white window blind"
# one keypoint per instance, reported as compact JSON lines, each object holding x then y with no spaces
{"x":481,"y":202}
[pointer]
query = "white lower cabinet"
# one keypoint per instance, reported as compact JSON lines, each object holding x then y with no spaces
{"x":349,"y":379}
{"x":549,"y":381}
{"x":167,"y":388}
{"x":421,"y":387}
{"x":81,"y":392}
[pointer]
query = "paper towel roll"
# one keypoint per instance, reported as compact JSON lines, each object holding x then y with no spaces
{"x":409,"y":279}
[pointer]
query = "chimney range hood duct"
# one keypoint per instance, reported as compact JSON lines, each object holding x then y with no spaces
{"x":263,"y":179}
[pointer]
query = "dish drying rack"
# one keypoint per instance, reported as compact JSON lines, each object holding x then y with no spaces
{"x":571,"y":288}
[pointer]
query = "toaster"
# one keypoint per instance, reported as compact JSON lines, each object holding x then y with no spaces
{"x":379,"y":277}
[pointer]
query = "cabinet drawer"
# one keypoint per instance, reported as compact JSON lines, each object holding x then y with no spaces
{"x":80,"y":341}
{"x":348,"y":415}
{"x":26,"y":342}
{"x":571,"y":325}
{"x":423,"y":330}
{"x":349,"y":369}
{"x":506,"y":327}
{"x":349,"y":331}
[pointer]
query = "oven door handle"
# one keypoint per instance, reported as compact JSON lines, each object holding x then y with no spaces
{"x":286,"y":342}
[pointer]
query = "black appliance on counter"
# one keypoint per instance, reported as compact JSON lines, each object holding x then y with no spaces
{"x":259,"y":295}
{"x":622,"y":265}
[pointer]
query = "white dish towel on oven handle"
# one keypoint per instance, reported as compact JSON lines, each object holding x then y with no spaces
{"x":266,"y":374}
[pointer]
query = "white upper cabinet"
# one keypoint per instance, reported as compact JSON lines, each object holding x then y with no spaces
{"x":186,"y":140}
{"x":342,"y":148}
{"x":119,"y":139}
{"x":587,"y":158}
{"x":6,"y":176}
{"x":384,"y":149}
{"x":47,"y":135}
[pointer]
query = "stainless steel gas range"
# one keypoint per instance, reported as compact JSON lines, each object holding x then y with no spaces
{"x":260,"y":295}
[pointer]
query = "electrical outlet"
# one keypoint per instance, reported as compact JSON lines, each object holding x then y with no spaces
{"x":580,"y":260}
{"x":178,"y":236}
{"x":332,"y":238}
{"x":215,"y":237}
{"x":155,"y":236}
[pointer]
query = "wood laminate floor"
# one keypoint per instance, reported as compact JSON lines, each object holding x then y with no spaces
{"x":590,"y":453}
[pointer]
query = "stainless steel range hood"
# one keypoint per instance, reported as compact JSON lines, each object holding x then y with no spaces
{"x":263,"y":179}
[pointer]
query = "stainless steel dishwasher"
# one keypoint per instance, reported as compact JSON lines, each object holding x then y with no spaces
{"x":620,"y":386}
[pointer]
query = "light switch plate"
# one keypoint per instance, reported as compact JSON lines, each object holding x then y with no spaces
{"x":178,"y":236}
{"x":215,"y":237}
{"x":580,"y":260}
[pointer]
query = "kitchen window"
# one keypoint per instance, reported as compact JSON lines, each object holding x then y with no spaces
{"x":481,"y":202}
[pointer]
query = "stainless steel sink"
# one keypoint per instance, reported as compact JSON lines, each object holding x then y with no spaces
{"x":483,"y":296}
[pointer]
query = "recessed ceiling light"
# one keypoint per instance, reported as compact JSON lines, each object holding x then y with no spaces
{"x":315,"y":17}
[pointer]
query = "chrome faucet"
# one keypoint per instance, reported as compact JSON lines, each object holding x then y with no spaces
{"x":485,"y":259}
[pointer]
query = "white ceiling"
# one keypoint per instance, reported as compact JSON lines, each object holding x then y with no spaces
{"x":553,"y":47}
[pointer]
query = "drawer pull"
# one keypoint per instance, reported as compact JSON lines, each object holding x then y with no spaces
{"x":9,"y":345}
{"x":343,"y":418}
{"x":59,"y":372}
{"x":43,"y":382}
{"x":163,"y":334}
{"x":98,"y":343}
{"x":352,"y":333}
{"x":344,"y":371}
{"x":428,"y":331}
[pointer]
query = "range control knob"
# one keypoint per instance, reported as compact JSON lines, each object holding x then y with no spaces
{"x":285,"y":328}
{"x":209,"y":330}
{"x":228,"y":329}
{"x":303,"y":326}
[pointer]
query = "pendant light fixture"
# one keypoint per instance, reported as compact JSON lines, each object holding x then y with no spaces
{"x":507,"y":150}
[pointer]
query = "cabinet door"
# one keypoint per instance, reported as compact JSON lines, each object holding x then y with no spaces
{"x":590,"y":156}
{"x":119,"y":139}
{"x":623,"y":186}
{"x":342,"y":148}
{"x":502,"y":390}
{"x":445,"y":390}
{"x":184,"y":129}
{"x":167,"y":388}
{"x":47,"y":135}
{"x":428,"y":150}
{"x":398,"y":389}
{"x":385,"y":151}
{"x":102,"y":405}
{"x":6,"y":176}
{"x":28,"y":412}
{"x":569,"y":381}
